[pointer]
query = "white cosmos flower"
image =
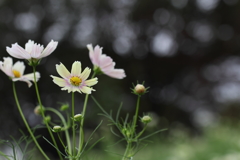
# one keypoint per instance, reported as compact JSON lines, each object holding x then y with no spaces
{"x":76,"y":80}
{"x":32,"y":50}
{"x":104,"y":63}
{"x":16,"y":71}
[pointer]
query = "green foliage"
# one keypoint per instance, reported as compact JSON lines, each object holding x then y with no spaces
{"x":216,"y":143}
{"x":23,"y":145}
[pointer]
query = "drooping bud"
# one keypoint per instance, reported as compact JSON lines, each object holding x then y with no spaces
{"x":57,"y":129}
{"x":78,"y":117}
{"x":146,"y":119}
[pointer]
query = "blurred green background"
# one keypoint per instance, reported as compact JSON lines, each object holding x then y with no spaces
{"x":186,"y":51}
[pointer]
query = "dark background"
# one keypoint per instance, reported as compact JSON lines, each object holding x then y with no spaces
{"x":186,"y":51}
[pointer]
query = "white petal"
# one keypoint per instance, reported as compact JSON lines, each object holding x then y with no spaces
{"x":30,"y":76}
{"x":29,"y":46}
{"x":23,"y":80}
{"x":36,"y":51}
{"x":62,"y":71}
{"x":19,"y":66}
{"x":85,"y":74}
{"x":76,"y":68}
{"x":87,"y":90}
{"x":59,"y":81}
{"x":7,"y":66}
{"x":49,"y":49}
{"x":91,"y":82}
{"x":18,"y":52}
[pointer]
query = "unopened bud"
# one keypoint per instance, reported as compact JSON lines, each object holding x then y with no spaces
{"x":57,"y":129}
{"x":64,"y":107}
{"x":126,"y":132}
{"x":47,"y":119}
{"x":140,"y":89}
{"x":78,"y":117}
{"x":146,"y":119}
{"x":37,"y":110}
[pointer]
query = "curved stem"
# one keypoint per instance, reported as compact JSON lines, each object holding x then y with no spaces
{"x":26,"y":124}
{"x":136,"y":115}
{"x":73,"y":126}
{"x":65,"y":126}
{"x":43,"y":114}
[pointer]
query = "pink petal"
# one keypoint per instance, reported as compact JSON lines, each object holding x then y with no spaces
{"x":117,"y":73}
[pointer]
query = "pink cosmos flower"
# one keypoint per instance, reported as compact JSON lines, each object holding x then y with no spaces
{"x":104,"y":63}
{"x":32,"y":50}
{"x":76,"y":80}
{"x":16,"y":71}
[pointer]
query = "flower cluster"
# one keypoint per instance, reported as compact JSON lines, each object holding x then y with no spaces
{"x":75,"y":80}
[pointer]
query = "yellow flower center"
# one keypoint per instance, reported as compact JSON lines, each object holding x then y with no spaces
{"x":16,"y":73}
{"x":75,"y":81}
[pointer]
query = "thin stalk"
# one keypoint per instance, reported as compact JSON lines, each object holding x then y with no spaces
{"x":127,"y":150}
{"x":65,"y":127}
{"x":43,"y":114}
{"x":59,"y":137}
{"x":81,"y":132}
{"x":26,"y":124}
{"x":73,"y":126}
{"x":136,"y":115}
{"x":145,"y":126}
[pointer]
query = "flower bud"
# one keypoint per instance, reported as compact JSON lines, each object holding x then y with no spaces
{"x":126,"y":132}
{"x":37,"y":110}
{"x":57,"y":129}
{"x":140,"y":89}
{"x":64,"y":107}
{"x":78,"y":117}
{"x":146,"y":119}
{"x":47,"y":119}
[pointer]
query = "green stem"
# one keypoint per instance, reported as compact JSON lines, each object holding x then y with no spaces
{"x":141,"y":132}
{"x":136,"y":115}
{"x":73,"y":126}
{"x":126,"y":154}
{"x":59,"y":137}
{"x":26,"y":124}
{"x":43,"y":114}
{"x":81,"y":132}
{"x":65,"y":127}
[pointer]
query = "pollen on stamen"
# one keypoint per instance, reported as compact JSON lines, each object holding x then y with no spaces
{"x":75,"y":81}
{"x":16,"y":73}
